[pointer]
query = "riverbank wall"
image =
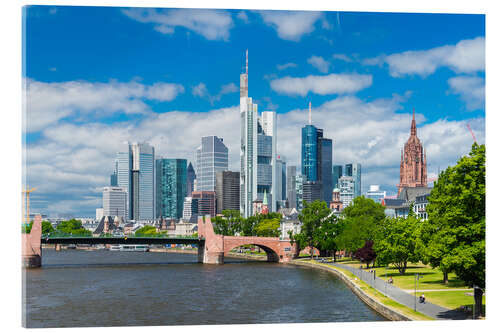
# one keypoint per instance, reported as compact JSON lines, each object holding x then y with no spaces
{"x":380,"y":308}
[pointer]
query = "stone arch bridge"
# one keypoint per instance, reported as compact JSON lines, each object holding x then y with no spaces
{"x":211,"y":247}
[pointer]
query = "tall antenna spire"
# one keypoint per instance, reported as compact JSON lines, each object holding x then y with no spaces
{"x":310,"y":118}
{"x":246,"y":67}
{"x":413,"y":125}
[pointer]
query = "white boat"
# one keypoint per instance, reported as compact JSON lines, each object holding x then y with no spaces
{"x":130,"y":248}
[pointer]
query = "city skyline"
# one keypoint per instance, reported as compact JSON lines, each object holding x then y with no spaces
{"x":368,"y":123}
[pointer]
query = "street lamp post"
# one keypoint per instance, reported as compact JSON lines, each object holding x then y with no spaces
{"x":415,"y":284}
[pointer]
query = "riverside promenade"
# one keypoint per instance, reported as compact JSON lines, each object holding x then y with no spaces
{"x":402,"y":297}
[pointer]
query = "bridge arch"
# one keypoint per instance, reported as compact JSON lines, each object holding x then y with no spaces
{"x":272,"y":254}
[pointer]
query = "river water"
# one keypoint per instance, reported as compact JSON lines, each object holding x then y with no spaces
{"x":102,"y":288}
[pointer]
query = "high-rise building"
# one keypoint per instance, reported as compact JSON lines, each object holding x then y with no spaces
{"x":311,"y":191}
{"x":375,"y":193}
{"x":413,"y":167}
{"x":280,"y":179}
{"x":206,"y":202}
{"x":114,"y":202}
{"x":291,"y":191}
{"x":227,"y":190}
{"x":346,"y":187}
{"x":336,"y":174}
{"x":257,"y":152}
{"x":190,"y":211}
{"x":211,"y":157}
{"x":171,"y":178}
{"x":136,"y":175}
{"x":354,"y":170}
{"x":299,"y":190}
{"x":317,"y":160}
{"x":191,"y":176}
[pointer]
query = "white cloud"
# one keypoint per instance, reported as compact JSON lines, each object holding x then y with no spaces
{"x":211,"y":24}
{"x":470,"y":89}
{"x":285,"y":66}
{"x":200,"y":90}
{"x":292,"y":25}
{"x":342,"y":57}
{"x":242,"y":16}
{"x":319,"y":63}
{"x":467,"y":56}
{"x":49,"y":102}
{"x":321,"y":85}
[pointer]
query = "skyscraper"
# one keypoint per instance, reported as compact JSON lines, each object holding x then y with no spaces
{"x":190,"y":211}
{"x":257,"y":151}
{"x":171,"y":177}
{"x":191,"y":176}
{"x":135,"y":174}
{"x":114,"y":202}
{"x":206,"y":202}
{"x":299,"y":189}
{"x":280,"y":180}
{"x":291,"y":191}
{"x":227,"y":190}
{"x":354,"y":170}
{"x":317,"y":160}
{"x":211,"y":157}
{"x":413,"y":167}
{"x":346,"y":186}
{"x":336,"y":174}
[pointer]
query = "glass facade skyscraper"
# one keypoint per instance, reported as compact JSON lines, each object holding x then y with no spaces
{"x":191,"y":176}
{"x":336,"y":174}
{"x":310,"y":152}
{"x":325,"y":165}
{"x":354,"y":170}
{"x":171,"y":177}
{"x":211,"y":157}
{"x":135,"y":174}
{"x":291,"y":191}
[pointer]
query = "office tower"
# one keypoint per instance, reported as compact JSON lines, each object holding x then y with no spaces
{"x":413,"y":167}
{"x":311,"y":191}
{"x":171,"y":178}
{"x":283,"y":184}
{"x":113,"y":178}
{"x":291,"y":191}
{"x":191,"y":176}
{"x":227,"y":190}
{"x":257,"y":151}
{"x":280,"y":183}
{"x":114,"y":202}
{"x":299,"y":189}
{"x":211,"y":157}
{"x":354,"y":170}
{"x":136,"y":176}
{"x":375,"y":193}
{"x":346,"y":187}
{"x":206,"y":202}
{"x":317,"y":160}
{"x":190,"y":211}
{"x":99,"y":213}
{"x":336,"y":174}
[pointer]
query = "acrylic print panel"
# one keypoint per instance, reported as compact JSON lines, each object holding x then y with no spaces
{"x":199,"y":166}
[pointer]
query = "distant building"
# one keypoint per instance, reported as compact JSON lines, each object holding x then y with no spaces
{"x":171,"y":178}
{"x":191,"y":177}
{"x":311,"y":191}
{"x":206,"y":202}
{"x":190,"y":212}
{"x":280,"y":178}
{"x":113,"y":178}
{"x":316,"y":157}
{"x":227,"y":190}
{"x":376,"y":194}
{"x":211,"y":157}
{"x":336,"y":205}
{"x":299,"y":190}
{"x":400,"y":206}
{"x":99,"y":213}
{"x":291,"y":190}
{"x":114,"y":201}
{"x":420,"y":205}
{"x":413,"y":167}
{"x":354,"y":170}
{"x":136,"y":168}
{"x":346,"y":188}
{"x":336,"y":174}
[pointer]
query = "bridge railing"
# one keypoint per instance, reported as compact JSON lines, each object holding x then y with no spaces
{"x":58,"y":234}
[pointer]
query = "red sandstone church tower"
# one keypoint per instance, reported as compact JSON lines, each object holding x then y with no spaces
{"x":413,"y":169}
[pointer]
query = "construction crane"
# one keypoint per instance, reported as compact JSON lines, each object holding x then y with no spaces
{"x":472,"y":133}
{"x":27,"y":195}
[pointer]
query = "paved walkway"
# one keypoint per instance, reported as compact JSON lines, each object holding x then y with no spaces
{"x":426,"y":290}
{"x":400,"y":296}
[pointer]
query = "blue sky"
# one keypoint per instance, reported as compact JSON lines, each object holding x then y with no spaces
{"x":99,"y":76}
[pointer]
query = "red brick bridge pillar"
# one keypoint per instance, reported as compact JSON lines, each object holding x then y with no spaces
{"x":32,"y":245}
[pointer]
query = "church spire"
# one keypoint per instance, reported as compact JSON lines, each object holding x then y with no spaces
{"x":413,"y":125}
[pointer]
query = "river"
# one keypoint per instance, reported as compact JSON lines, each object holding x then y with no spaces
{"x":103,"y":288}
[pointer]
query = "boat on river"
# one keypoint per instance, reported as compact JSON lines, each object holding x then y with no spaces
{"x":130,"y":248}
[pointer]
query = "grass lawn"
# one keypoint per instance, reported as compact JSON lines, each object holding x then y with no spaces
{"x":451,"y":299}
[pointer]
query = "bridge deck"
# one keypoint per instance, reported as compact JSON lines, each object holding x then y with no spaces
{"x":119,"y":240}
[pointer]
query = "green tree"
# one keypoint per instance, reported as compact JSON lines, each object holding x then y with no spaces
{"x":362,"y":220}
{"x":396,"y":241}
{"x":47,"y":227}
{"x":457,"y":210}
{"x":311,"y":216}
{"x":229,"y":224}
{"x":73,"y":227}
{"x":268,"y":228}
{"x":146,"y":231}
{"x":328,"y":236}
